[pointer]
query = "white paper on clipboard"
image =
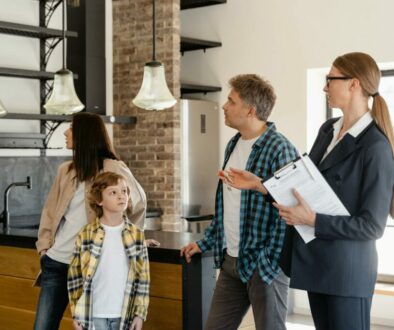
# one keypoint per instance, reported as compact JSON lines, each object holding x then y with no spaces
{"x":303,"y":176}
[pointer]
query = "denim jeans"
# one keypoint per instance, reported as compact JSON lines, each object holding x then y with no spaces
{"x":106,"y":323}
{"x":53,"y":297}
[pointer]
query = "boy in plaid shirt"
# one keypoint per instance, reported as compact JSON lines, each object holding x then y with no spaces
{"x":108,"y":278}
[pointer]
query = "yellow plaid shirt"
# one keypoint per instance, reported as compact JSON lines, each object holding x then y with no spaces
{"x":84,"y":264}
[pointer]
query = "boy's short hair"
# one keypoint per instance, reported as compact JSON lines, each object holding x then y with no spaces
{"x":100,"y":183}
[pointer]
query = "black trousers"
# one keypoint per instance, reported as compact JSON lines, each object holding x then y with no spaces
{"x":340,"y":313}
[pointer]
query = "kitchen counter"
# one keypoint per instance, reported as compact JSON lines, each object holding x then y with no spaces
{"x":170,"y":242}
{"x":180,"y":290}
{"x":32,"y":221}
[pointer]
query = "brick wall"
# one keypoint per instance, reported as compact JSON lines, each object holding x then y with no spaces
{"x":151,"y":148}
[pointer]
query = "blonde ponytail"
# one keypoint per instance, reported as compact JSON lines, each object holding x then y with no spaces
{"x":364,"y":68}
{"x":381,"y":115}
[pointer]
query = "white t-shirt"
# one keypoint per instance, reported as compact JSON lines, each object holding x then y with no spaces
{"x":71,"y":224}
{"x":109,"y":280}
{"x":232,"y":197}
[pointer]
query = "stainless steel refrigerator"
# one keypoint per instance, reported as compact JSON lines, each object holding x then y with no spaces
{"x":199,"y":161}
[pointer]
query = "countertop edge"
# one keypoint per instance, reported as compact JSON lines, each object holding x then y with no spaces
{"x":168,"y":252}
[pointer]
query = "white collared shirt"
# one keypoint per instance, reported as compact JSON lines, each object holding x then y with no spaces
{"x":354,"y":131}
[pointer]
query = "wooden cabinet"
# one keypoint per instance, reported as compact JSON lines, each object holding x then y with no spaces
{"x":180,"y":293}
{"x":18,"y":297}
{"x":165,"y":301}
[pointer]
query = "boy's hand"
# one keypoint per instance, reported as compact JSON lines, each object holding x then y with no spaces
{"x":150,"y":242}
{"x":189,"y":250}
{"x":137,"y":323}
{"x":77,"y":325}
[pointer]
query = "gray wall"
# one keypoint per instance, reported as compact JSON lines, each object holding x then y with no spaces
{"x":15,"y":169}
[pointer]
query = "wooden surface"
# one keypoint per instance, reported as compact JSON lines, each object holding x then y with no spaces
{"x":164,"y":314}
{"x":18,"y":298}
{"x":166,"y":280}
{"x":19,"y":262}
{"x":384,"y":289}
{"x":19,"y":319}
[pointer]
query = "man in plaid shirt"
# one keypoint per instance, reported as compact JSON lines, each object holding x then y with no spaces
{"x":247,"y":234}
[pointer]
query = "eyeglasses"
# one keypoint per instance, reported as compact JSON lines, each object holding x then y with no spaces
{"x":329,"y":78}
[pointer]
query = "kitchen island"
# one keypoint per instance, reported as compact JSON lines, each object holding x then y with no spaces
{"x":180,"y":293}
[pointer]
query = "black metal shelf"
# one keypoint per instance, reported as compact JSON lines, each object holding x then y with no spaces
{"x":22,"y":140}
{"x":30,"y":74}
{"x":32,"y":31}
{"x":65,"y":118}
{"x":189,"y":4}
{"x":190,"y":44}
{"x":41,"y":140}
{"x":194,"y":89}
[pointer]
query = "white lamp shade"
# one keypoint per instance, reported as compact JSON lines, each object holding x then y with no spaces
{"x":3,"y":111}
{"x":154,"y":93}
{"x":64,"y":99}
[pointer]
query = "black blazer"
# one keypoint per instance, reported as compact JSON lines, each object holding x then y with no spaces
{"x":342,"y":260}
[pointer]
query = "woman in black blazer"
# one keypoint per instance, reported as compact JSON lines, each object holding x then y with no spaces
{"x":355,"y":155}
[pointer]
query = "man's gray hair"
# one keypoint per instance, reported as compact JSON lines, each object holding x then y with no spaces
{"x":255,"y":91}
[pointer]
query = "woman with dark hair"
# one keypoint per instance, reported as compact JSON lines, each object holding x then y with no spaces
{"x":67,"y":210}
{"x":354,"y":153}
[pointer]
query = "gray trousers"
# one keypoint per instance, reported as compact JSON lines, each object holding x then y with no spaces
{"x":232,"y":298}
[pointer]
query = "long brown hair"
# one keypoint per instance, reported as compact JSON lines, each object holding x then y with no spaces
{"x":364,"y":68}
{"x":91,"y":145}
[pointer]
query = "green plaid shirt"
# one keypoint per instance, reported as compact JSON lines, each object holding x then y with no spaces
{"x":261,"y":230}
{"x":84,"y":264}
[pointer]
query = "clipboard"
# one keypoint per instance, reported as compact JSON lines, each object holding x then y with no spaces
{"x":302,"y":175}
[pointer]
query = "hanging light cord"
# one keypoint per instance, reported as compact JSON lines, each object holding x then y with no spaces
{"x":154,"y":30}
{"x":64,"y":34}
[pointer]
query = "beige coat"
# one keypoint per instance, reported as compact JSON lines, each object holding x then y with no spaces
{"x":63,"y":190}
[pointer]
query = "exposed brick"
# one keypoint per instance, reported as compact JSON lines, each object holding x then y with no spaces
{"x":146,"y":156}
{"x":150,"y":147}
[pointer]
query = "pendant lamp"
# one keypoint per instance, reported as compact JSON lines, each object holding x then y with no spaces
{"x":3,"y":111}
{"x":154,"y":93}
{"x":64,"y":99}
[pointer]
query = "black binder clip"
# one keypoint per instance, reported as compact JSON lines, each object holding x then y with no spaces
{"x":286,"y":167}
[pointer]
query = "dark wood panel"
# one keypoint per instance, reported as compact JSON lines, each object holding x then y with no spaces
{"x":18,"y":319}
{"x":164,"y":314}
{"x":166,"y":280}
{"x":19,"y":293}
{"x":19,"y":262}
